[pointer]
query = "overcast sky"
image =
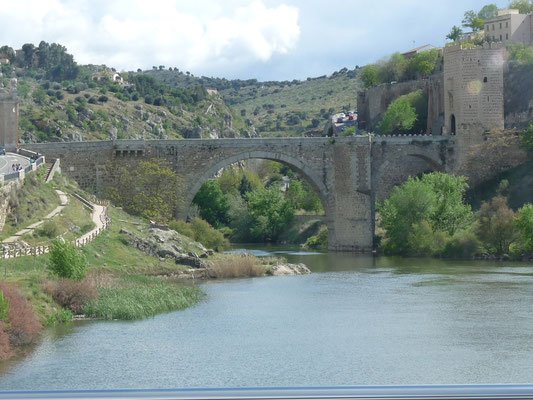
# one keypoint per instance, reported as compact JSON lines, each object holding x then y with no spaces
{"x":263,"y":39}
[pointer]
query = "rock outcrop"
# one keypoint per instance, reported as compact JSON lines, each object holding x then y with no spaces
{"x":162,"y":242}
{"x":288,"y":269}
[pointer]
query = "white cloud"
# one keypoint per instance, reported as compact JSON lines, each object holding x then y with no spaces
{"x":128,"y":34}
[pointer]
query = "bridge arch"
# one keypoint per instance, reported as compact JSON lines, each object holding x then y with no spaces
{"x":316,"y":183}
{"x":395,"y":171}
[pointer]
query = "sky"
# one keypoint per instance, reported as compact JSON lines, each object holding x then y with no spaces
{"x":261,"y":39}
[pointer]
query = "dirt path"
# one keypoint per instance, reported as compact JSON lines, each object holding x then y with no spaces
{"x":63,"y":201}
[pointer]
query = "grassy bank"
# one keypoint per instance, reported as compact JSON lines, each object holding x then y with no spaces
{"x":138,"y":296}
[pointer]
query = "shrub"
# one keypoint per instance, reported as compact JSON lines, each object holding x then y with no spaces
{"x":24,"y":327}
{"x":497,"y":229}
{"x":524,"y":223}
{"x":236,"y":266}
{"x":464,"y":244}
{"x":48,"y":229}
{"x":202,"y":232}
{"x":318,"y":241}
{"x":424,"y":241}
{"x":67,"y":261}
{"x":72,"y":295}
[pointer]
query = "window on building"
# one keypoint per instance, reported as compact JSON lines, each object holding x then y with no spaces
{"x":506,"y":36}
{"x":485,"y":79}
{"x":492,"y":26}
{"x":500,"y":25}
{"x":501,"y":38}
{"x":507,"y":24}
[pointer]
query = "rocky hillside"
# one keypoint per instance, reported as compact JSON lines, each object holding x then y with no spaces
{"x":52,"y":111}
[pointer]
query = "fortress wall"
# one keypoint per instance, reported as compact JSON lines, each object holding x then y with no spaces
{"x":372,"y":103}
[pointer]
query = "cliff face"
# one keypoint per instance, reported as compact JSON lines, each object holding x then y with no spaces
{"x":518,"y":96}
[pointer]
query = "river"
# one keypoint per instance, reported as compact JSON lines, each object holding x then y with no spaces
{"x":355,"y":320}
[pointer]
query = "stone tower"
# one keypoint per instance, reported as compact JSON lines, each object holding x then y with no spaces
{"x":9,"y":116}
{"x":473,"y":95}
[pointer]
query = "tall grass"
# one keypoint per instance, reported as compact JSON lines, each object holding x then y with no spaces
{"x":236,"y":266}
{"x":141,"y":301}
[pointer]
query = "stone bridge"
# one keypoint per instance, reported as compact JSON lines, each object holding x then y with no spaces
{"x":348,"y":173}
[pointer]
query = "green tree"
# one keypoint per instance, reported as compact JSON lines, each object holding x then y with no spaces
{"x":411,"y":203}
{"x":496,"y":225}
{"x":213,"y":204}
{"x":394,"y":68}
{"x":67,"y":261}
{"x":451,"y":212}
{"x":245,"y":186}
{"x":271,"y":212}
{"x":520,"y":53}
{"x":524,"y":6}
{"x":454,"y":34}
{"x":370,"y":76}
{"x":23,"y":89}
{"x":524,"y":223}
{"x":423,"y":64}
{"x":473,"y":21}
{"x":151,"y":189}
{"x":8,"y":53}
{"x":488,"y":11}
{"x":400,"y":116}
{"x":436,"y":201}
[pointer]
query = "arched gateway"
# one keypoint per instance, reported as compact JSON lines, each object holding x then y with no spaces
{"x":341,"y":170}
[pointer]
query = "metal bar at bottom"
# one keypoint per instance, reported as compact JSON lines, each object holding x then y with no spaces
{"x":426,"y":392}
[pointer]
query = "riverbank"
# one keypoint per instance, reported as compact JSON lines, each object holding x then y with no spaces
{"x":362,"y":319}
{"x":135,"y":270}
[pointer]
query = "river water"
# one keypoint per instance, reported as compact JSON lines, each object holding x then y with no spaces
{"x":355,"y":320}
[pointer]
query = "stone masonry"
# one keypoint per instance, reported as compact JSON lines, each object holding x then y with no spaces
{"x":347,"y":173}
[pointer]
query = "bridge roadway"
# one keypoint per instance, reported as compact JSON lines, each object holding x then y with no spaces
{"x":348,"y":173}
{"x":414,"y":392}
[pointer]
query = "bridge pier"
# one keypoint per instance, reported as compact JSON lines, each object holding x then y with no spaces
{"x":346,"y":172}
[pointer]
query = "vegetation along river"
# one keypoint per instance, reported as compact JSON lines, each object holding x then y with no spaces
{"x":355,"y":320}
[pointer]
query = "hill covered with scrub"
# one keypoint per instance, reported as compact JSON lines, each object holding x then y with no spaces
{"x":278,"y":108}
{"x":63,"y":101}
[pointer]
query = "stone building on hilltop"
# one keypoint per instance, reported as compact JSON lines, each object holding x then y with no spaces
{"x":509,"y":26}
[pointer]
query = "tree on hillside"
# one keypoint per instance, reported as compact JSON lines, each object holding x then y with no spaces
{"x":488,"y":11}
{"x":524,"y":6}
{"x":8,"y":53}
{"x":520,"y":53}
{"x":393,"y":69}
{"x":151,"y":189}
{"x":424,"y":63}
{"x":454,"y":34}
{"x":370,"y":76}
{"x":473,"y":21}
{"x":213,"y":204}
{"x":400,"y":116}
